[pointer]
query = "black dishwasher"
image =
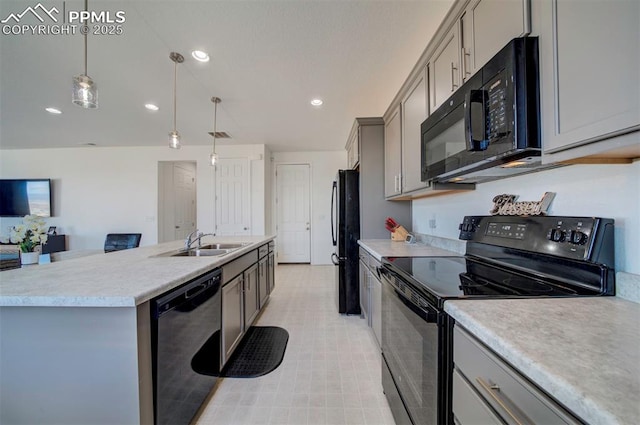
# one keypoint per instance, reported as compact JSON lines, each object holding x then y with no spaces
{"x":185,"y":338}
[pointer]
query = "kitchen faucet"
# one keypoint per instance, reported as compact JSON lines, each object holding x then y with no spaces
{"x":189,"y":241}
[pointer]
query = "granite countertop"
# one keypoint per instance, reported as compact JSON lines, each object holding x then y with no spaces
{"x":387,"y":248}
{"x":585,"y":352}
{"x":117,"y":279}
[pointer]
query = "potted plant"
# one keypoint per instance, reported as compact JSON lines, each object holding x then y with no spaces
{"x":29,"y":236}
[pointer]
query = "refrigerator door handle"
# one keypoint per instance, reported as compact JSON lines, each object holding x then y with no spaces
{"x":335,"y":259}
{"x":334,"y":192}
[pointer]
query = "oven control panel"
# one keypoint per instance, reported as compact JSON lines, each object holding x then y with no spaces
{"x":580,"y":238}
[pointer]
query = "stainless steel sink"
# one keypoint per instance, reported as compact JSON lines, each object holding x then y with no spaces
{"x":231,"y":246}
{"x":209,"y":250}
{"x":202,"y":252}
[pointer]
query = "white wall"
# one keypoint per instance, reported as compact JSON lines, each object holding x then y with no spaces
{"x":611,"y":191}
{"x":103,"y":190}
{"x":324,"y":167}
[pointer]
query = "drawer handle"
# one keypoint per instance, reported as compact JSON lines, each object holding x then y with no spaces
{"x":494,"y":391}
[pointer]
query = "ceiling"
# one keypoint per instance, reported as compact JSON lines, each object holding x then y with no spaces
{"x":269,"y":59}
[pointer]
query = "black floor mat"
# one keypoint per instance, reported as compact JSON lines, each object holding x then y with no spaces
{"x":260,"y":352}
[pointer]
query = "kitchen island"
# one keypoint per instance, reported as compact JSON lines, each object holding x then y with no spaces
{"x":75,"y":334}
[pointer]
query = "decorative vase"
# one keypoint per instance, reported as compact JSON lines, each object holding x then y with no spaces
{"x":27,"y":258}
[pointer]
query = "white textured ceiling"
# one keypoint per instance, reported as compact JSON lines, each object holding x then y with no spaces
{"x":268,"y":60}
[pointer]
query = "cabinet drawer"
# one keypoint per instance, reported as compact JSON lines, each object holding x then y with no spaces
{"x":468,"y":406}
{"x":514,"y":398}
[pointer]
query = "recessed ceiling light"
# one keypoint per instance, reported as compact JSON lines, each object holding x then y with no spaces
{"x":201,"y":56}
{"x":317,"y":102}
{"x":53,"y":110}
{"x":151,"y":107}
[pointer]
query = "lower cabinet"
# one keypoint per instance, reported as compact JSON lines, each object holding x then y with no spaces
{"x":371,"y":293}
{"x":489,"y":391}
{"x":263,"y":280}
{"x":271,"y":269}
{"x":251,"y":299}
{"x":232,"y":316}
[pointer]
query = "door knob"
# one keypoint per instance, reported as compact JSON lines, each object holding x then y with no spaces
{"x":308,"y":226}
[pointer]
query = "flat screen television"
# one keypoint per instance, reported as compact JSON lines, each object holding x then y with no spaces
{"x":20,"y":197}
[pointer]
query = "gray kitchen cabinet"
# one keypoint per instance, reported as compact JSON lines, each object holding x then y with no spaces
{"x":365,"y":299}
{"x":232,"y":316}
{"x":353,"y":149}
{"x":251,"y":298}
{"x":271,"y":267}
{"x":370,"y":293}
{"x":375,"y":294}
{"x":414,"y":111}
{"x":392,"y":154}
{"x":486,"y":26}
{"x":263,"y":281}
{"x":444,"y":68}
{"x":589,"y":85}
{"x":488,"y":390}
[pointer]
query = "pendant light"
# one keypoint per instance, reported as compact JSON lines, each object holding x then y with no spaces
{"x":174,"y":137}
{"x":85,"y":90}
{"x":213,"y":158}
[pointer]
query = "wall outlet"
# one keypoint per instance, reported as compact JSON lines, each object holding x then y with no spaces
{"x":432,"y":222}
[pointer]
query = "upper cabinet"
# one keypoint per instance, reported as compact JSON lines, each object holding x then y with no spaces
{"x":414,"y":111}
{"x":444,"y":68}
{"x":353,"y":149}
{"x":589,"y":78}
{"x":392,"y":154}
{"x":486,"y":26}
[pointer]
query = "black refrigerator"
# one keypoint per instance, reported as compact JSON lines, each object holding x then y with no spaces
{"x":345,"y":232}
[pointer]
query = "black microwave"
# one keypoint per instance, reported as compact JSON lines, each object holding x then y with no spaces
{"x":490,"y":127}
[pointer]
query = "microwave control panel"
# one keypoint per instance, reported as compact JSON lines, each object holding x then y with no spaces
{"x":497,"y":101}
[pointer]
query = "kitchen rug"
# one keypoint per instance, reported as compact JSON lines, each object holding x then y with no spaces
{"x":261,"y":351}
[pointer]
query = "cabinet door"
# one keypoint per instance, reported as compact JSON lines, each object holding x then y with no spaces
{"x":263,"y":281}
{"x":364,"y":290}
{"x":376,"y":307}
{"x":251,"y":300}
{"x":232,"y":317}
{"x":271,"y":268}
{"x":414,"y":112}
{"x":590,"y":63}
{"x":392,"y":154}
{"x":487,"y":26}
{"x":444,"y":69}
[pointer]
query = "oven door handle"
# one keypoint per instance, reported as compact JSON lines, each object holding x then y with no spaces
{"x":428,"y":314}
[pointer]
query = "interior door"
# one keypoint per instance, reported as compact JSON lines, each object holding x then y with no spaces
{"x":293,"y":213}
{"x":233,"y":207}
{"x":176,"y":200}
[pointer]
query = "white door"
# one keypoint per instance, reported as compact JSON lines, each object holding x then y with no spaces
{"x":293,"y":215}
{"x":176,"y":200}
{"x":233,"y":208}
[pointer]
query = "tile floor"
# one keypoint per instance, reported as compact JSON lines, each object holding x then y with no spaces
{"x":331,"y":370}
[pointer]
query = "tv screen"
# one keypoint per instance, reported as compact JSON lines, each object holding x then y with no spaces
{"x":23,"y":197}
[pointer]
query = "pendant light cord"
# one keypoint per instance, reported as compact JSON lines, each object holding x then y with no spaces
{"x":175,"y":101}
{"x":215,"y":126}
{"x":86,"y":9}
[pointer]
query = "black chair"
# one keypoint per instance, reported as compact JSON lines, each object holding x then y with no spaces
{"x":120,"y":241}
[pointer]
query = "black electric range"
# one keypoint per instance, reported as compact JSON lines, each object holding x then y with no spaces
{"x":506,"y":257}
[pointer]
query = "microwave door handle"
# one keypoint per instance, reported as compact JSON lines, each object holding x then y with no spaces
{"x":475,"y":97}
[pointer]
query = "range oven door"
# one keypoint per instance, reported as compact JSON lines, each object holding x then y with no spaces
{"x":411,"y":352}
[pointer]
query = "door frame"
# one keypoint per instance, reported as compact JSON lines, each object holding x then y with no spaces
{"x":274,"y":205}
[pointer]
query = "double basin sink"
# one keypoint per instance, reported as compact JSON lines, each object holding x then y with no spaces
{"x":209,"y":250}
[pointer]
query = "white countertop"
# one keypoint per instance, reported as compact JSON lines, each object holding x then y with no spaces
{"x":387,"y":248}
{"x":585,"y":352}
{"x":117,"y":279}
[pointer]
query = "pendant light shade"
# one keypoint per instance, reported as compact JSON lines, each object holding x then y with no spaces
{"x":85,"y":90}
{"x":213,"y":158}
{"x":174,"y":136}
